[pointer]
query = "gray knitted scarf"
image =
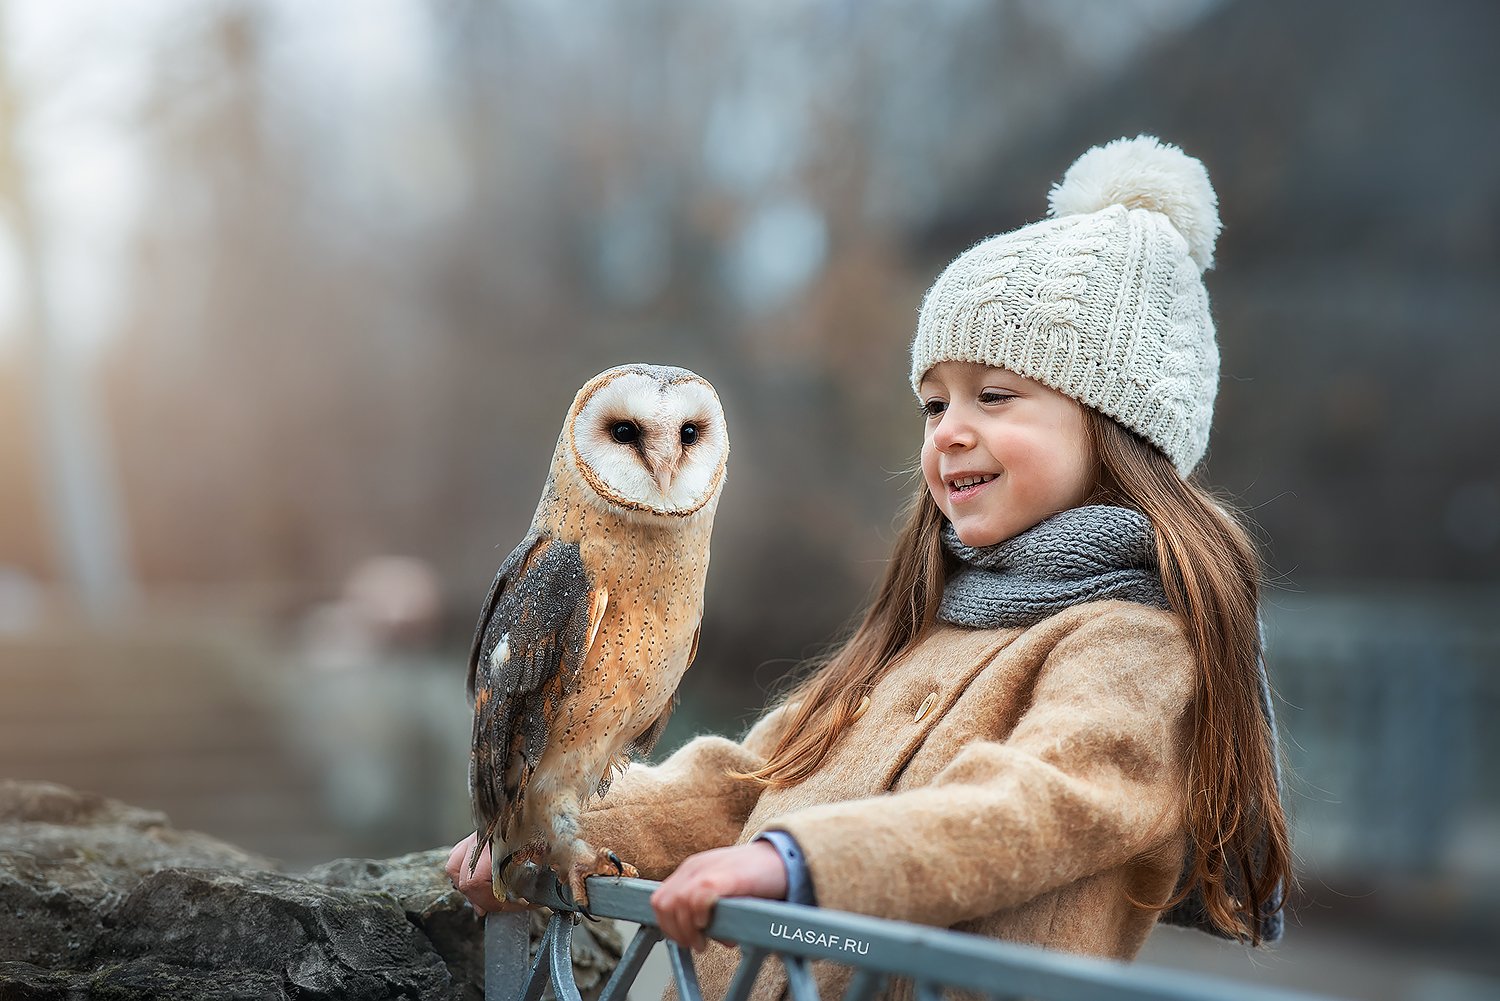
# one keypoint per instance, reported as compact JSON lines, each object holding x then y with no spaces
{"x":1083,"y":554}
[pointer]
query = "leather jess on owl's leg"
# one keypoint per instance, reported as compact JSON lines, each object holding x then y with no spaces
{"x":515,"y":877}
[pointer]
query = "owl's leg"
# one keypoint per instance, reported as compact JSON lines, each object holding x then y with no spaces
{"x":575,"y":860}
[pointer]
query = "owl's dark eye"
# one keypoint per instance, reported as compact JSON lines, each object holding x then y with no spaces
{"x":625,"y":432}
{"x":689,"y":433}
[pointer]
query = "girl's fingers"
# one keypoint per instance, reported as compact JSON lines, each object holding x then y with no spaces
{"x":672,"y":912}
{"x":684,"y":903}
{"x":702,"y":913}
{"x":456,"y":856}
{"x":667,"y":904}
{"x":688,"y":920}
{"x":475,"y":885}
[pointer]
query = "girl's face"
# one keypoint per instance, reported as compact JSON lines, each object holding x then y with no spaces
{"x":1001,"y":452}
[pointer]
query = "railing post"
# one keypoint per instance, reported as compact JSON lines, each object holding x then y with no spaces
{"x":507,"y":936}
{"x":618,"y":987}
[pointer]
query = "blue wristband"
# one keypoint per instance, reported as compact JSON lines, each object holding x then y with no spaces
{"x":799,"y":888}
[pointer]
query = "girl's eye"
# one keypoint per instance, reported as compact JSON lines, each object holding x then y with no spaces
{"x":624,"y":432}
{"x":994,"y":396}
{"x":932,"y":408}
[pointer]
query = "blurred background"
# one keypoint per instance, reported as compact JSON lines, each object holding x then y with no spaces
{"x":293,"y":298}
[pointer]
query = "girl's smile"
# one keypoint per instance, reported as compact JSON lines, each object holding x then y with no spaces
{"x":965,"y":487}
{"x":1001,"y":452}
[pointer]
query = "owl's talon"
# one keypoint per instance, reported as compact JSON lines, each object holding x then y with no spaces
{"x":604,"y":863}
{"x":622,"y":869}
{"x":580,"y":893}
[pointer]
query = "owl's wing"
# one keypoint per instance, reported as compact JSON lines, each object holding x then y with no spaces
{"x":538,"y":622}
{"x":508,"y":570}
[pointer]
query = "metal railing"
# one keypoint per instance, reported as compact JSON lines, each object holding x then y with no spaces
{"x":876,"y":949}
{"x":1375,"y":688}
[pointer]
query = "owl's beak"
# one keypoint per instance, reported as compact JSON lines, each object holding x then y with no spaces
{"x":663,"y":470}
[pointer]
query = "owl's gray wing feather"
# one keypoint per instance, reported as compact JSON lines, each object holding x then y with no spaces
{"x":508,"y":569}
{"x":532,"y":635}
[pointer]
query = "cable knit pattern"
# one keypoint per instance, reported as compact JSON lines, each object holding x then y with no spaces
{"x":1105,"y":303}
{"x":1083,"y":554}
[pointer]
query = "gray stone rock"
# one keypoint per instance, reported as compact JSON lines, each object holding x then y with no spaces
{"x":102,"y":900}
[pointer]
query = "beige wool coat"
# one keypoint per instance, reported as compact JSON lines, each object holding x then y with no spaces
{"x":1042,"y":789}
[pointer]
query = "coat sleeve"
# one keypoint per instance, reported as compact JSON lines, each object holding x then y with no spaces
{"x":654,"y":817}
{"x":1092,"y":776}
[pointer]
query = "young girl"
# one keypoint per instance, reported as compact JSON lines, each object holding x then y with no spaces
{"x":1052,"y":725}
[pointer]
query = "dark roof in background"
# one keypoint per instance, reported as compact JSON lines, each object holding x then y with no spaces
{"x":1355,"y":149}
{"x":1340,"y":122}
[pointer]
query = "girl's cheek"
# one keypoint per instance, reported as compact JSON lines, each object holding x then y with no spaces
{"x":938,"y":497}
{"x":1020,"y":450}
{"x":930,"y":471}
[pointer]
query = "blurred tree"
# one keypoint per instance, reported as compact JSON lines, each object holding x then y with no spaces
{"x":375,"y":266}
{"x":79,"y":505}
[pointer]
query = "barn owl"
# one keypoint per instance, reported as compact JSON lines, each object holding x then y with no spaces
{"x":593,"y":618}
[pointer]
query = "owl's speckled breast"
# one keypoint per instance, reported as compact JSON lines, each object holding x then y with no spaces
{"x":654,"y":571}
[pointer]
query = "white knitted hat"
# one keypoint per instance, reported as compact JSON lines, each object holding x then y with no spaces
{"x":1103,"y":302}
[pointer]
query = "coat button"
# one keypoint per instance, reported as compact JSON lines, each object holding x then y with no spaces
{"x":927,"y":704}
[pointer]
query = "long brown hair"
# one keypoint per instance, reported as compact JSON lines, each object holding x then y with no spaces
{"x":1211,"y":574}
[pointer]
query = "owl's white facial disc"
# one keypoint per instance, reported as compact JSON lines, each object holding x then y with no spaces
{"x":651,"y":439}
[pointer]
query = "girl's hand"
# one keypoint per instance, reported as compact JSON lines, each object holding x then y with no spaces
{"x":684,"y":902}
{"x":476,"y":885}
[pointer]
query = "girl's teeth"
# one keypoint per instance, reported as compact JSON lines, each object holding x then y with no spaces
{"x":970,"y":481}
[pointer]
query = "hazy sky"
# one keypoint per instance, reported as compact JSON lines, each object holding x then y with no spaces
{"x":83,"y":71}
{"x":354,"y":80}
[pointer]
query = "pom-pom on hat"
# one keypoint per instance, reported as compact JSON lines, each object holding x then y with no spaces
{"x":1103,"y":302}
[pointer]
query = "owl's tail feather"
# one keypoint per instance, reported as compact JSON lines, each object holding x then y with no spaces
{"x":498,"y":885}
{"x":479,"y":846}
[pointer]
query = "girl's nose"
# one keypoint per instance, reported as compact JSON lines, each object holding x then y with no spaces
{"x":953,"y":431}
